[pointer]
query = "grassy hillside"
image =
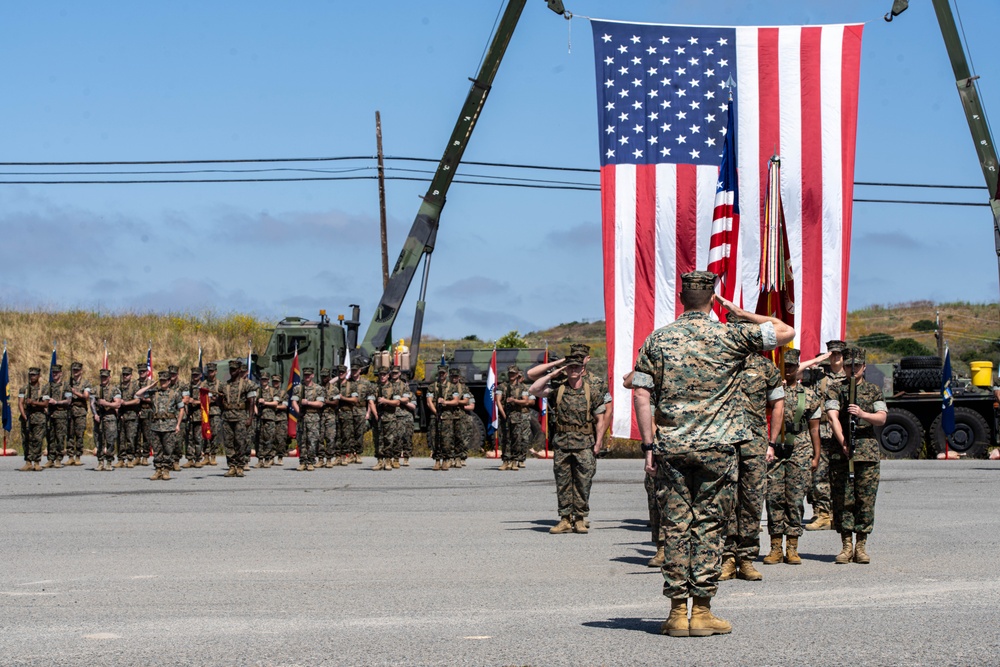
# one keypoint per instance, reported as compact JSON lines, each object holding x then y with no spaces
{"x":80,"y":337}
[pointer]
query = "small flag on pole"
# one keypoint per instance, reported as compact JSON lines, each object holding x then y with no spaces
{"x":491,"y":396}
{"x":204,"y":401}
{"x":543,"y":408}
{"x":947,"y":399}
{"x":104,"y":362}
{"x":201,"y":366}
{"x":5,"y":394}
{"x":149,"y":360}
{"x":294,"y":380}
{"x":250,"y":359}
{"x":53,"y":362}
{"x":725,"y":218}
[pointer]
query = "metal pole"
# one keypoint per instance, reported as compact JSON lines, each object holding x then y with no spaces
{"x":940,"y":335}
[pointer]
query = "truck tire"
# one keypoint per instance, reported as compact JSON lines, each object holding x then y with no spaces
{"x":902,"y":435}
{"x":917,"y":379}
{"x":920,"y":362}
{"x":971,"y":436}
{"x":475,"y":433}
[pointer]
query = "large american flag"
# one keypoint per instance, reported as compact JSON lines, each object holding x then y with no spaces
{"x":662,"y":103}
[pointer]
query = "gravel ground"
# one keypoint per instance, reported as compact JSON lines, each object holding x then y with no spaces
{"x":355,"y":567}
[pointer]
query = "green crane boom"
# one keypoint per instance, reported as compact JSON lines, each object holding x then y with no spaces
{"x":420,"y":241}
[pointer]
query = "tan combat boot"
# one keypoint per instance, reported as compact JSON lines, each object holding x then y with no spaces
{"x":504,"y":466}
{"x":119,"y":464}
{"x":100,"y":466}
{"x":329,"y":463}
{"x":301,"y":467}
{"x":176,"y":466}
{"x":860,"y":555}
{"x":792,"y":551}
{"x":166,"y":475}
{"x":564,"y":526}
{"x":822,"y":521}
{"x":405,"y":461}
{"x":231,"y":472}
{"x":240,"y":472}
{"x":775,"y":556}
{"x":157,"y":475}
{"x":76,"y":461}
{"x":310,"y":467}
{"x":211,"y":460}
{"x":728,"y":567}
{"x":267,"y":463}
{"x":260,"y":464}
{"x":37,"y":467}
{"x":395,"y":464}
{"x":747,"y":571}
{"x":446,"y":465}
{"x":677,"y":624}
{"x":846,"y":550}
{"x":57,"y":463}
{"x":514,"y":466}
{"x":27,"y":467}
{"x":279,"y":462}
{"x":144,"y":461}
{"x":658,"y":560}
{"x":581,"y":526}
{"x":108,"y":466}
{"x":130,"y":463}
{"x":704,"y":623}
{"x":437,"y":464}
{"x":197,"y":464}
{"x":379,"y":465}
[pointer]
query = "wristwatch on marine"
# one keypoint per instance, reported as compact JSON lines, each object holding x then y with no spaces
{"x":646,"y":448}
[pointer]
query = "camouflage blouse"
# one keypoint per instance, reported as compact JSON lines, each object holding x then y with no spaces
{"x":692,"y":368}
{"x":869,"y":399}
{"x":761,"y":383}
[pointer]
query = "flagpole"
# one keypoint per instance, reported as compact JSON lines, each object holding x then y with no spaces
{"x":5,"y":393}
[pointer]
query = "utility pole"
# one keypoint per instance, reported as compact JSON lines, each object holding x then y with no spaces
{"x":381,"y":211}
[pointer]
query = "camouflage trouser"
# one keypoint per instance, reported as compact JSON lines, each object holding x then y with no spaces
{"x":211,"y":447}
{"x":450,"y":433}
{"x":819,"y":490}
{"x":385,"y":436}
{"x":503,"y":438}
{"x":574,"y":471}
{"x":695,"y":490}
{"x":406,"y":427}
{"x":465,"y":436}
{"x":77,"y":429}
{"x":105,"y":437}
{"x":327,"y":447}
{"x":57,"y":433}
{"x":144,"y":441}
{"x":433,"y":439}
{"x":518,"y":436}
{"x":236,"y":440}
{"x":360,"y":426}
{"x":742,"y":539}
{"x":36,"y":436}
{"x":854,"y":502}
{"x":23,"y":426}
{"x":280,"y":438}
{"x":308,"y":436}
{"x":787,"y":480}
{"x":265,"y":443}
{"x":163,"y":448}
{"x":655,"y":525}
{"x":194,"y":443}
{"x":345,"y":432}
{"x":128,"y":431}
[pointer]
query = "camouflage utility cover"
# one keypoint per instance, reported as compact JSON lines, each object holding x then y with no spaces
{"x":691,"y":367}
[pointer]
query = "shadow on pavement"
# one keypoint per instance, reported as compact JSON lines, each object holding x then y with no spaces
{"x":822,"y":558}
{"x":647,"y":625}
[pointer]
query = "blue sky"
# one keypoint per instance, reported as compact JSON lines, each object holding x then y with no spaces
{"x":118,"y":81}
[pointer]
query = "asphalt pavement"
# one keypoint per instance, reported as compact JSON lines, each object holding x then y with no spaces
{"x":351,"y":566}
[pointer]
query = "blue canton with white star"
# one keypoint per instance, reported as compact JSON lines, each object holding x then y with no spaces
{"x":662,"y":92}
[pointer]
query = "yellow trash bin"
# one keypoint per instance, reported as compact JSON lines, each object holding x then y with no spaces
{"x":982,"y":373}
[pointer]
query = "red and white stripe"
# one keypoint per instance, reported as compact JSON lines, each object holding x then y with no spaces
{"x":797,"y":90}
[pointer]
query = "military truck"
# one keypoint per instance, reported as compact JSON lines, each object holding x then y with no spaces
{"x":912,"y":392}
{"x":320,"y":343}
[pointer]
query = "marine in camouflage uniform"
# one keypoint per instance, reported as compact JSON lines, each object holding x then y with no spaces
{"x":578,"y":408}
{"x":364,"y":412}
{"x":238,"y":397}
{"x":280,"y":396}
{"x":406,"y":418}
{"x":451,"y":412}
{"x":166,"y":414}
{"x":214,"y":386}
{"x":347,"y":389}
{"x":59,"y":408}
{"x":267,"y":404}
{"x":35,"y":417}
{"x":854,"y":499}
{"x":107,"y":399}
{"x":386,"y":434}
{"x":516,"y":399}
{"x":144,"y":439}
{"x":434,"y":390}
{"x":789,"y":462}
{"x":690,"y":416}
{"x":175,"y":383}
{"x":194,"y":442}
{"x":819,"y":490}
{"x":761,"y":389}
{"x":128,"y":420}
{"x":331,"y":401}
{"x":308,"y":399}
{"x":80,"y":388}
